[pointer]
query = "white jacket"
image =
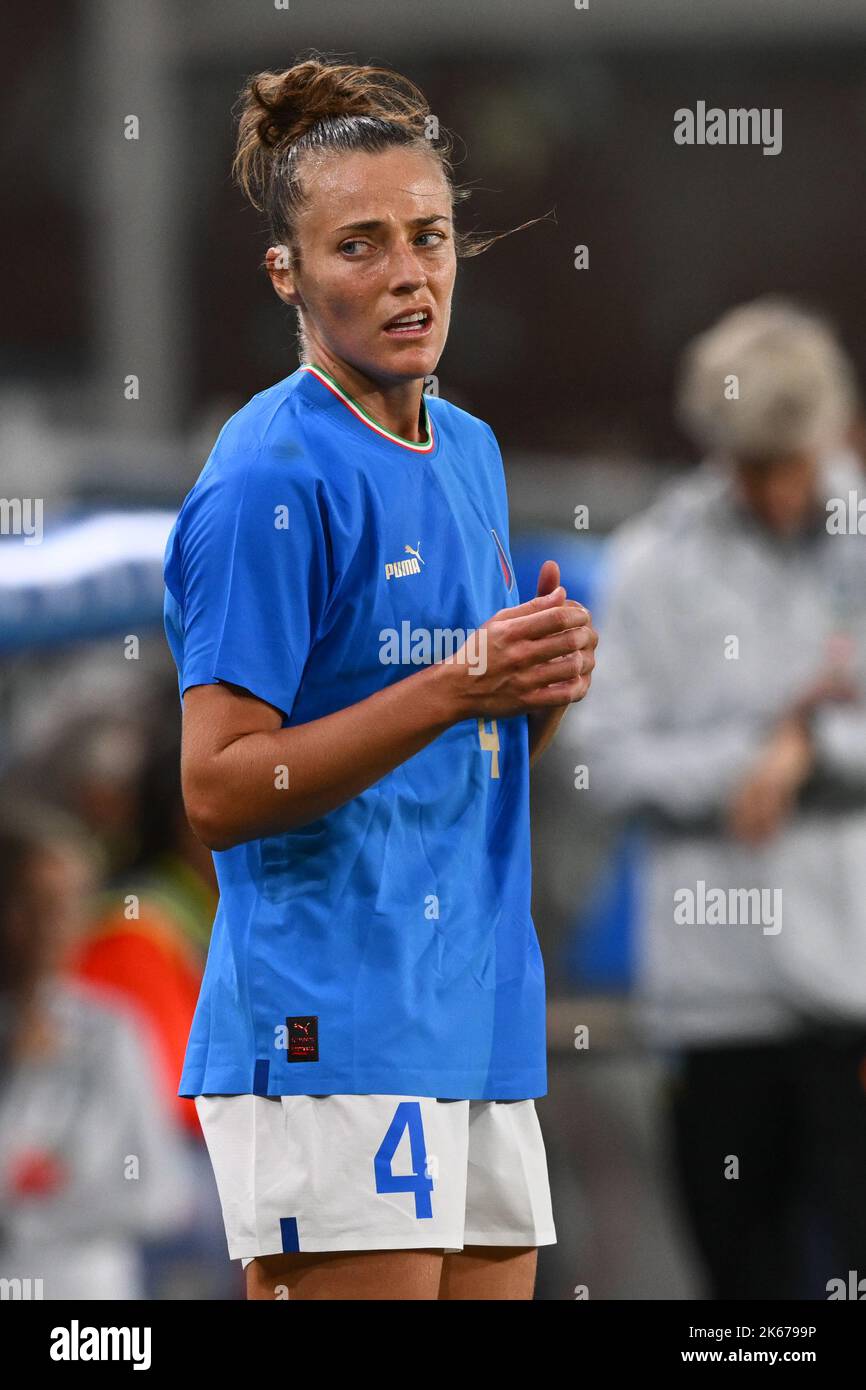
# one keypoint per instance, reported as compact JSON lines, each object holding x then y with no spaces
{"x":677,"y":713}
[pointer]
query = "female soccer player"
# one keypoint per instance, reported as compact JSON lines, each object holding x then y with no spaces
{"x":362,"y":693}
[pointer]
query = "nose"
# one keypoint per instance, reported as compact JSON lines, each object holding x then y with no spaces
{"x":405,"y":271}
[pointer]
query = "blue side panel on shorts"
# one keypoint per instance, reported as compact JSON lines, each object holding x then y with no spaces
{"x":289,"y":1234}
{"x":260,"y":1076}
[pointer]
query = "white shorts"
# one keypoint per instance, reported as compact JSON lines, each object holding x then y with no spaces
{"x":376,"y":1173}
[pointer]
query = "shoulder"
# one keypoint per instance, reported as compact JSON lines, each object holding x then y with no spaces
{"x":276,"y":431}
{"x":452,"y":420}
{"x":473,"y":438}
{"x":267,"y":452}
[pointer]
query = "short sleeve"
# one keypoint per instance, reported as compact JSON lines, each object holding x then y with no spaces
{"x":254,"y":576}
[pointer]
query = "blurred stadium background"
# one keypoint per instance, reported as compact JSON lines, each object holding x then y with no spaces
{"x":138,"y":258}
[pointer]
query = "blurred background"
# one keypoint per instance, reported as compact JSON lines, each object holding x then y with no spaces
{"x":137,"y":320}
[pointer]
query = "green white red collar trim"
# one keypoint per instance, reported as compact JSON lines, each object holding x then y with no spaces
{"x":425,"y":446}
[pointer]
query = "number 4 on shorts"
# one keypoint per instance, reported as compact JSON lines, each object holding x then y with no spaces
{"x":406,"y":1116}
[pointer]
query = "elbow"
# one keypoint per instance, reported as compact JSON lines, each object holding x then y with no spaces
{"x":217,"y":841}
{"x":212,"y":833}
{"x":206,"y":816}
{"x":221,"y":816}
{"x":211,"y":822}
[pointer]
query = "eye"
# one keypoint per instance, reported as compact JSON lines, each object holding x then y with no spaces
{"x":346,"y":246}
{"x":438,"y":236}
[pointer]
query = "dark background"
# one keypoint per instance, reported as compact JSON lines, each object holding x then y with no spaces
{"x":121,"y":257}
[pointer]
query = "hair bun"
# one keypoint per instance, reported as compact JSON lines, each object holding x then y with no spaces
{"x":277,"y":109}
{"x":289,"y":103}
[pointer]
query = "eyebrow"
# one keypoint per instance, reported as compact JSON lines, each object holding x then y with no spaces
{"x":373,"y":223}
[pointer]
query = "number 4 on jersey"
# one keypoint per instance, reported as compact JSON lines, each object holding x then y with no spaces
{"x":490,"y":744}
{"x":406,"y":1116}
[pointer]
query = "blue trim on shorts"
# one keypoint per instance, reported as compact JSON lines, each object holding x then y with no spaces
{"x":289,"y":1234}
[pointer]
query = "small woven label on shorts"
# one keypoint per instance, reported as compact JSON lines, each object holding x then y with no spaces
{"x":303,"y":1038}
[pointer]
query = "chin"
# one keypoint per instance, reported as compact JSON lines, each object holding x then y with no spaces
{"x":411,"y":364}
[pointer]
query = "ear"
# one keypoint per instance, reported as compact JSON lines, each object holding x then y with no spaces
{"x":280,"y":269}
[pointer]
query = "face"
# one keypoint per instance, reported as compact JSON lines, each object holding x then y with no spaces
{"x":50,"y":911}
{"x":375,"y":243}
{"x":61,"y":883}
{"x":780,"y":492}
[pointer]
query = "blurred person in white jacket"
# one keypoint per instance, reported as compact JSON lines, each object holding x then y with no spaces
{"x":91,"y":1163}
{"x":730,"y":716}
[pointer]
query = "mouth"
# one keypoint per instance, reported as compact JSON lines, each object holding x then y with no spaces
{"x":415,"y":323}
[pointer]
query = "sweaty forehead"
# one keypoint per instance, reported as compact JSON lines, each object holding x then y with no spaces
{"x":361,"y":187}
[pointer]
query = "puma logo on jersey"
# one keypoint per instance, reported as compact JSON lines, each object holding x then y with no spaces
{"x":401,"y":567}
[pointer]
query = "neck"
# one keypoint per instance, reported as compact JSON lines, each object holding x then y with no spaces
{"x":396,"y":406}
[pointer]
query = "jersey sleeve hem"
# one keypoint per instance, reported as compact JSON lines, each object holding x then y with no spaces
{"x":261,"y":689}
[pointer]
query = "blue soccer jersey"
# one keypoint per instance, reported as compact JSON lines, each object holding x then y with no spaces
{"x":387,"y":947}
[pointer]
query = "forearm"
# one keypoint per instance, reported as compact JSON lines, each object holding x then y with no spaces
{"x":685,"y":775}
{"x":267,"y":783}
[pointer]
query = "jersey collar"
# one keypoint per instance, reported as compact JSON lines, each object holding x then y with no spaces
{"x":425,"y":446}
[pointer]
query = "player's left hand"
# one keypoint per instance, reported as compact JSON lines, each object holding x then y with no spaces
{"x":577,"y":689}
{"x":543,"y":724}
